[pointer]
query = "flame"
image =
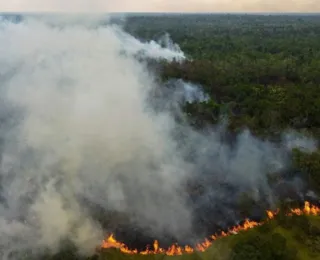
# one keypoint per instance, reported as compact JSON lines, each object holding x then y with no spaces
{"x":307,"y":210}
{"x":175,"y":249}
{"x":270,"y":214}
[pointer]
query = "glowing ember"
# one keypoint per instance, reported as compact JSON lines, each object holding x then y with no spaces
{"x":175,"y":249}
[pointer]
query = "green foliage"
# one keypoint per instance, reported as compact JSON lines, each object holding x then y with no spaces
{"x":206,"y":112}
{"x":264,"y":69}
{"x":257,"y":246}
{"x":263,"y":73}
{"x":309,"y":164}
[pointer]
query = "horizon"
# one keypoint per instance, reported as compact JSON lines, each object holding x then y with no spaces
{"x":158,"y":13}
{"x":161,"y":6}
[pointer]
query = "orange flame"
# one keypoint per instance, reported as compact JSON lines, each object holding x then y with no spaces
{"x":175,"y":249}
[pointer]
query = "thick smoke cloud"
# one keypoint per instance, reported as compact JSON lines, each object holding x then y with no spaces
{"x":75,"y":125}
{"x":78,"y":128}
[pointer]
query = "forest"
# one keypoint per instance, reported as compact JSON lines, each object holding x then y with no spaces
{"x":261,"y":73}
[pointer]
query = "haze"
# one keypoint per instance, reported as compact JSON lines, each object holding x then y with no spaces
{"x":159,"y":6}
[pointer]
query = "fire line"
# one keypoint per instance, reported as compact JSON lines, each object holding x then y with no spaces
{"x":175,"y":249}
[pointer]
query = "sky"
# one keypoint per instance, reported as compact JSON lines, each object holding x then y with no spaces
{"x":159,"y":6}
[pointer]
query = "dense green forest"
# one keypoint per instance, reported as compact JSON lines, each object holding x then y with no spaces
{"x":262,"y":72}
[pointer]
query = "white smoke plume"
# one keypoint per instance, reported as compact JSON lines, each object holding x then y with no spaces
{"x":189,"y":92}
{"x":76,"y":125}
{"x":81,"y":128}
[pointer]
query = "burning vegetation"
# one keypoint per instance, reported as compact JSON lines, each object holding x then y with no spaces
{"x":175,"y":249}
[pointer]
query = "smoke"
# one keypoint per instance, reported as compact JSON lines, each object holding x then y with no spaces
{"x":80,"y":129}
{"x":187,"y":92}
{"x":164,"y":49}
{"x":77,"y":127}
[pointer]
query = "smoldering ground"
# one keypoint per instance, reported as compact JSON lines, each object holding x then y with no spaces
{"x":83,"y":144}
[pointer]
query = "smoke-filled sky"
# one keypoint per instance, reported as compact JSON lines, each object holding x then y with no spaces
{"x":159,"y":6}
